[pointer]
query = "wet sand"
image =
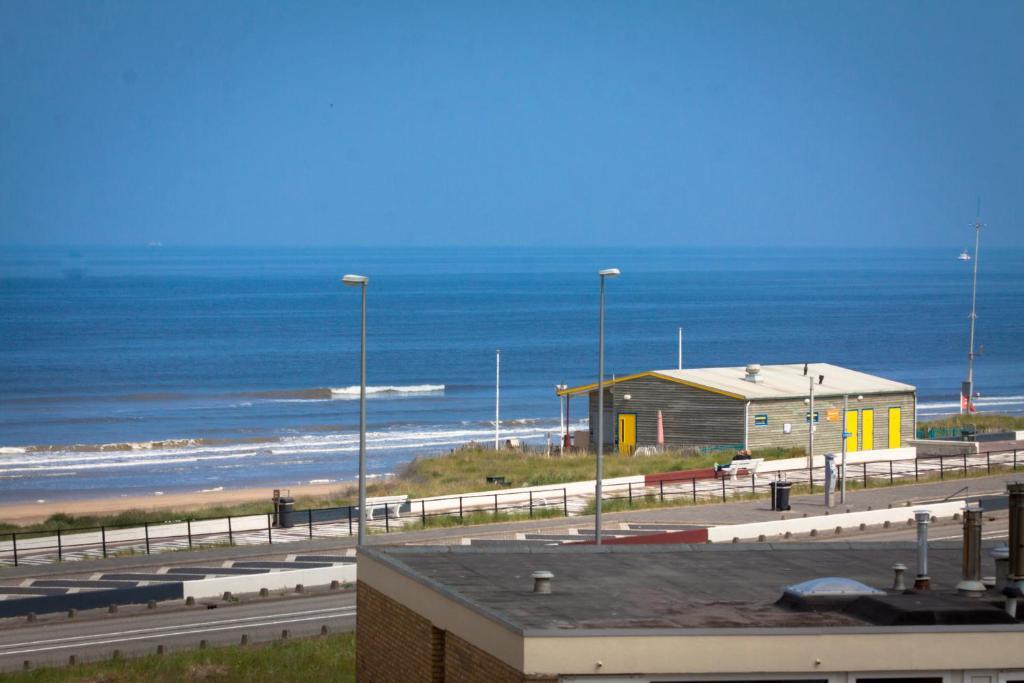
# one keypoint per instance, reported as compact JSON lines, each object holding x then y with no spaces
{"x":28,"y":513}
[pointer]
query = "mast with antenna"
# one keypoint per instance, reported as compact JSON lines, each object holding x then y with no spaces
{"x":967,"y":390}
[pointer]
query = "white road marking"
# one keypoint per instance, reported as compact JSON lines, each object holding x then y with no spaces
{"x":174,"y":635}
{"x":990,"y":534}
{"x":318,"y":612}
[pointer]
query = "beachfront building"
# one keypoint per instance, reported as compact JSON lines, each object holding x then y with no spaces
{"x":752,"y":407}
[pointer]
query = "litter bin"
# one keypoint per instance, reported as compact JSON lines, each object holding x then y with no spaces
{"x":780,"y":495}
{"x":286,"y":512}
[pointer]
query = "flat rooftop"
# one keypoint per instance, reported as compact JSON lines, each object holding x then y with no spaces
{"x":776,"y":381}
{"x":652,"y":587}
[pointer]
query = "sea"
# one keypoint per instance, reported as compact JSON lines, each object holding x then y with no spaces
{"x":159,"y":369}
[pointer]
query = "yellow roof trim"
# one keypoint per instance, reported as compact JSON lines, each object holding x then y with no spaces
{"x":586,"y":388}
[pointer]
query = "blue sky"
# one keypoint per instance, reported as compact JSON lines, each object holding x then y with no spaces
{"x":487,"y":123}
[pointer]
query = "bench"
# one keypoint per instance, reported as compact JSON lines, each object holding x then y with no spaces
{"x":734,"y":467}
{"x":393,"y":506}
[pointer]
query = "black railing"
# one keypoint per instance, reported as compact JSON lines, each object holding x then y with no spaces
{"x":114,"y":539}
{"x":111,"y":540}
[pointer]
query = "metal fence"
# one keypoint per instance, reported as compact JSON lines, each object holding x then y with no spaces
{"x":63,"y":544}
{"x":56,"y":545}
{"x":946,"y":433}
{"x":858,"y":476}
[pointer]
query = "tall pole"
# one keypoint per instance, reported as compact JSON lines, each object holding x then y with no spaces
{"x":497,"y":396}
{"x":842,"y":485}
{"x":974,"y":316}
{"x":810,"y":433}
{"x":600,"y":416}
{"x":361,"y":281}
{"x":561,"y":420}
{"x":362,"y":420}
{"x":680,"y":348}
{"x":609,"y":272}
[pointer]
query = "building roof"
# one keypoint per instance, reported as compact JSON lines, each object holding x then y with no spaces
{"x":777,"y":381}
{"x":658,"y":587}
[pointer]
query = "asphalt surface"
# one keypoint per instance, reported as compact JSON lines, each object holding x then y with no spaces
{"x":52,"y":639}
{"x":95,"y":635}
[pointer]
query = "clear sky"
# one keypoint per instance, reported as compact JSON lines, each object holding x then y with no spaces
{"x":495,"y":123}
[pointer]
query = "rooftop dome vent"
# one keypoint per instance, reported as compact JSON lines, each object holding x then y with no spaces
{"x":754,"y":373}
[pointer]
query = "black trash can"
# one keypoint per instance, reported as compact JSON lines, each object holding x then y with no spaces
{"x":780,"y":495}
{"x":286,"y":512}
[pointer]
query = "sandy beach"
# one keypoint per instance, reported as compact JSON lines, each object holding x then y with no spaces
{"x":29,"y":513}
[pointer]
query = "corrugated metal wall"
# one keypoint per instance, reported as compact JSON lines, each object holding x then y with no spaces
{"x":828,"y":435}
{"x":695,"y":417}
{"x":692,"y":417}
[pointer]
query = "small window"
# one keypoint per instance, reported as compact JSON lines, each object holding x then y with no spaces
{"x":807,"y":417}
{"x":761,"y":420}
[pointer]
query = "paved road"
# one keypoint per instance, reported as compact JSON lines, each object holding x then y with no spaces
{"x":256,"y":529}
{"x":91,"y":636}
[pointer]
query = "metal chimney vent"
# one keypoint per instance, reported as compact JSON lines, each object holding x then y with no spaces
{"x":754,"y":373}
{"x":542,"y":581}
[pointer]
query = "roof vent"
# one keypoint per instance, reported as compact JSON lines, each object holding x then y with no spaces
{"x":542,"y":581}
{"x":754,"y":373}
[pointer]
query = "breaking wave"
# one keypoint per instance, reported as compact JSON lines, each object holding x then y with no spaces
{"x":984,"y":404}
{"x":395,"y":444}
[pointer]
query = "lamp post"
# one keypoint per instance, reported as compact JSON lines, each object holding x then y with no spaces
{"x":842,"y":462}
{"x":846,"y":435}
{"x":361,"y":281}
{"x":810,"y":435}
{"x":562,"y":426}
{"x":497,"y":397}
{"x":607,"y":272}
{"x":680,"y":348}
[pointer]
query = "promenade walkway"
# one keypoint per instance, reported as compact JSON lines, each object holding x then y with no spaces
{"x":874,"y":468}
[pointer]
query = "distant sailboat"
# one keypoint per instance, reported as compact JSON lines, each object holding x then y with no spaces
{"x":964,"y":256}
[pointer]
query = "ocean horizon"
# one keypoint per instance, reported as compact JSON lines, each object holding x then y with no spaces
{"x":130,"y":370}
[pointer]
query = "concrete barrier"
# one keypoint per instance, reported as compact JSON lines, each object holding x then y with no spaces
{"x":848,"y":520}
{"x":251,"y":583}
{"x":939,"y":447}
{"x":93,"y":599}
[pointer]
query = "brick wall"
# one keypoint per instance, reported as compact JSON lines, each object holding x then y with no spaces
{"x":394,"y":643}
{"x":466,"y":663}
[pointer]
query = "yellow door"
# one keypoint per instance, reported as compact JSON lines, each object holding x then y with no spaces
{"x":851,"y":429}
{"x":867,"y":429}
{"x":894,"y":428}
{"x":627,"y":433}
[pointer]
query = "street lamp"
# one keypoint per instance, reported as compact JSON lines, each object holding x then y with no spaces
{"x":606,"y":273}
{"x":562,"y":425}
{"x":846,"y":435}
{"x":361,"y":281}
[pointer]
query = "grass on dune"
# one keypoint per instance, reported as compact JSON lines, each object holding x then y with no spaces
{"x":328,"y":658}
{"x":454,"y":473}
{"x":982,"y":422}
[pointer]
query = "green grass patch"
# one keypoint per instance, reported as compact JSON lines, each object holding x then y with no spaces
{"x":327,"y":658}
{"x":454,"y":473}
{"x":484,"y":517}
{"x":987,"y":422}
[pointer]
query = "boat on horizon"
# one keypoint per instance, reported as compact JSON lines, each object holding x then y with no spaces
{"x":964,"y":256}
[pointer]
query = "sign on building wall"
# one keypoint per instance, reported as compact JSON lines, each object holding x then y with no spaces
{"x":832,"y":414}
